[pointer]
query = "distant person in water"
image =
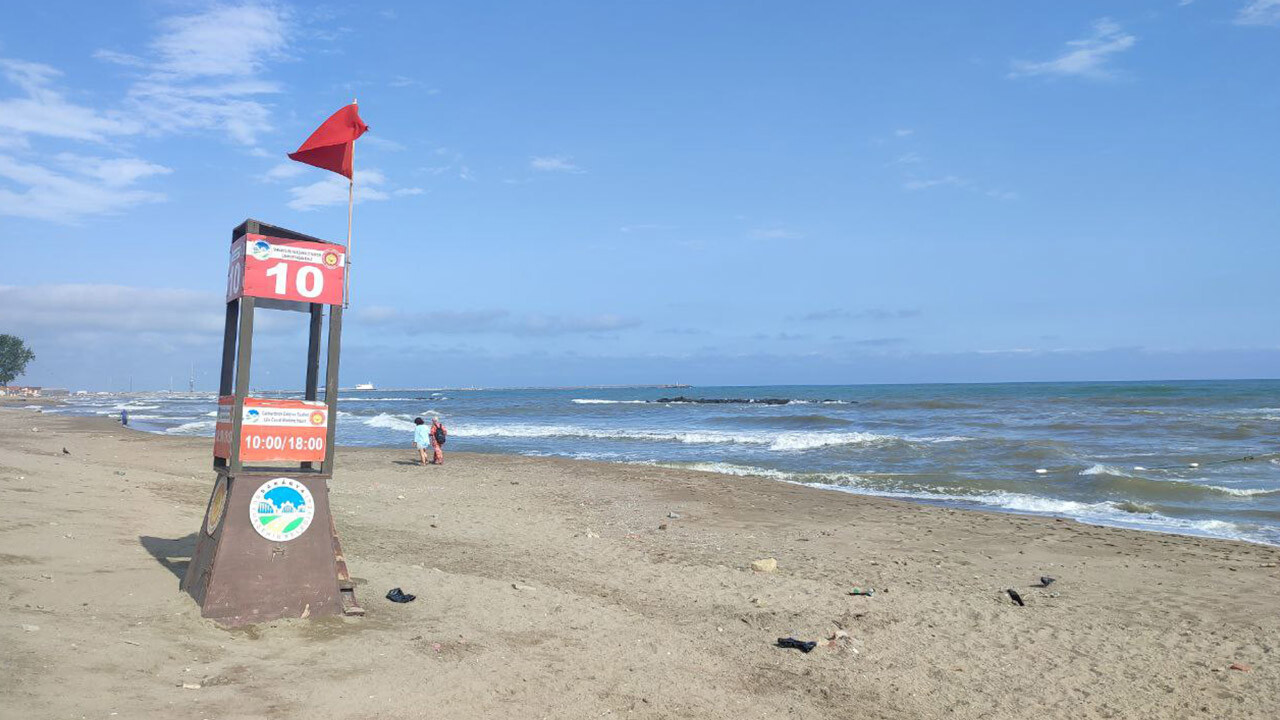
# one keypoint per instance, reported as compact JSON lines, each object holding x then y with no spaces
{"x":438,"y":437}
{"x":422,"y":439}
{"x":124,"y":416}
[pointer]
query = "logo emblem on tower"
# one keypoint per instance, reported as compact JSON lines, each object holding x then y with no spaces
{"x":260,"y":250}
{"x":281,"y":509}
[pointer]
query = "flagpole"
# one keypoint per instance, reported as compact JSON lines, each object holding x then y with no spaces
{"x":351,"y":204}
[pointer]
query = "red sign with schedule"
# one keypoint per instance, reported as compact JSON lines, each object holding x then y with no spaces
{"x":280,"y":269}
{"x":273,"y":430}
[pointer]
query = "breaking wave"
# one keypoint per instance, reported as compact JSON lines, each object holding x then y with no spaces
{"x":1112,"y":513}
{"x":197,"y":427}
{"x":593,"y":401}
{"x":784,"y":441}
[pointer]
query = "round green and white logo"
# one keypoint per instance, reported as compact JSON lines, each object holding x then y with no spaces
{"x":281,"y":509}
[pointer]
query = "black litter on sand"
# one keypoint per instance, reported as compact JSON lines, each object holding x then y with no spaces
{"x":801,"y":645}
{"x":400,"y":596}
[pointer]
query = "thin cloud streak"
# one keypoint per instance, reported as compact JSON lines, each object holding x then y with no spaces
{"x":1259,"y":12}
{"x":498,"y":322}
{"x":1087,"y":57}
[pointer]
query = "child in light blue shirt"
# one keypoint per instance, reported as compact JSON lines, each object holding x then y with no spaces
{"x":421,"y":438}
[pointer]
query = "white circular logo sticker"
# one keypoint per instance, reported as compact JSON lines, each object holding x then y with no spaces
{"x":281,"y":509}
{"x":260,"y":250}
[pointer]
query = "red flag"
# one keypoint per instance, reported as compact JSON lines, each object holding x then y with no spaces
{"x":331,"y":145}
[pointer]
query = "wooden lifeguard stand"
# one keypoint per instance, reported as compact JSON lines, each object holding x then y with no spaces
{"x":268,"y":547}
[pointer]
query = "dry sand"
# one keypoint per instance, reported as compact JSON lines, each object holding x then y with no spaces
{"x":614,"y":616}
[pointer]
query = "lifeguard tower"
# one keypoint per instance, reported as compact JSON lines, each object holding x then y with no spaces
{"x":268,"y":547}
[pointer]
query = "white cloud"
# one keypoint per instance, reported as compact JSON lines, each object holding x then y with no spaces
{"x":109,"y":309}
{"x":89,"y":332}
{"x":1087,"y":57}
{"x":554,"y":163}
{"x":204,"y":71}
{"x":87,"y":186}
{"x":381,"y":143}
{"x":44,"y":110}
{"x":1259,"y":12}
{"x":497,"y":322}
{"x":285,"y":171}
{"x":113,"y":172}
{"x":903,"y":132}
{"x":371,"y":184}
{"x":224,"y":41}
{"x":775,"y":233}
{"x":947,"y":181}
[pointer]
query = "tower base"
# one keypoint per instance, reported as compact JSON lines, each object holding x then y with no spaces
{"x":268,"y":549}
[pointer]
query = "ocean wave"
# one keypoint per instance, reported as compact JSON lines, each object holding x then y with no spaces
{"x":785,"y":441}
{"x":724,"y":468}
{"x":1113,"y":513}
{"x":1241,"y":492}
{"x":403,"y":423}
{"x":922,"y":404}
{"x":1100,"y":469}
{"x":197,"y":427}
{"x":807,"y":422}
{"x":593,"y":401}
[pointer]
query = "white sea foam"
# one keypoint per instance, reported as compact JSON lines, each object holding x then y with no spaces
{"x":1242,"y":492}
{"x":1115,"y":514}
{"x":198,"y":427}
{"x":593,"y":401}
{"x":388,"y":421}
{"x":789,"y":441}
{"x":1100,"y":469}
{"x":724,"y":468}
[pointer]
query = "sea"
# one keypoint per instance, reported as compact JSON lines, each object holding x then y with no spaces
{"x":1197,"y":458}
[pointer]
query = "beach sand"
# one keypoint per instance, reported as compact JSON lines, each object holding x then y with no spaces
{"x":546,"y":589}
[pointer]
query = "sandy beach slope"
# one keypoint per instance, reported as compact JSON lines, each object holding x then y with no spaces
{"x":546,"y":589}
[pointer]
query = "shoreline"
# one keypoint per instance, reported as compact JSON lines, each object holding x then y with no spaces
{"x":564,"y":588}
{"x":1102,"y":512}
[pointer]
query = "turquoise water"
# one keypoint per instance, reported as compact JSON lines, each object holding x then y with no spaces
{"x":1156,"y":455}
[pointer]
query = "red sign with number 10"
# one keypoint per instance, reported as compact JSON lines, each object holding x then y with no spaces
{"x":280,"y":269}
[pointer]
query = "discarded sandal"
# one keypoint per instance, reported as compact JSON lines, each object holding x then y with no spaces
{"x":803,"y":646}
{"x":399,"y":596}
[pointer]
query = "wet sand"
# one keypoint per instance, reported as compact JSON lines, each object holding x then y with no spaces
{"x":546,"y":588}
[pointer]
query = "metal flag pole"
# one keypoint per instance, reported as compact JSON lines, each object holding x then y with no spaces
{"x":351,"y":204}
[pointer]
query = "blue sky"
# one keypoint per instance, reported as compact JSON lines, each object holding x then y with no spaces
{"x":603,"y":192}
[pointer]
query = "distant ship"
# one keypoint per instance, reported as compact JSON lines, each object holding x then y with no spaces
{"x":365,"y":386}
